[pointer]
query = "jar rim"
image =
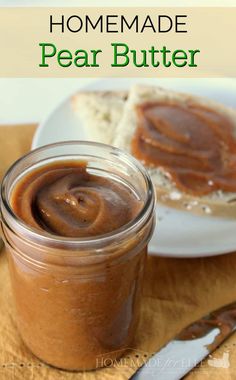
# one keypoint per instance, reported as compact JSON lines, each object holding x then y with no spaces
{"x":47,"y":238}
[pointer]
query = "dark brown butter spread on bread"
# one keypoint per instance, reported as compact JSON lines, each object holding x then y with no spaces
{"x":193,"y":143}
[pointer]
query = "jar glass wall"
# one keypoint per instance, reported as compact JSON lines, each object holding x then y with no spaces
{"x":77,"y":299}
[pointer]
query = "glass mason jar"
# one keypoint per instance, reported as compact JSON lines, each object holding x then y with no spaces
{"x":77,"y":299}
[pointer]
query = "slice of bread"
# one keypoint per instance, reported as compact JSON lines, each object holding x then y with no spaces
{"x":100,"y":112}
{"x":217,"y":203}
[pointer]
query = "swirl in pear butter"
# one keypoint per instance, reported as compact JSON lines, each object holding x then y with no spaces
{"x":76,"y":312}
{"x":66,"y":200}
{"x":193,"y":143}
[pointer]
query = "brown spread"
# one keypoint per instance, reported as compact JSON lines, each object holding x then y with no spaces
{"x":224,"y":319}
{"x":68,"y":201}
{"x":194,"y":144}
{"x":76,"y":306}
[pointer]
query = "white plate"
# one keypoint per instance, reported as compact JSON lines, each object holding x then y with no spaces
{"x":178,"y":233}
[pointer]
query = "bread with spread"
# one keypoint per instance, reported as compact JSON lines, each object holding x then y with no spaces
{"x":100,"y":113}
{"x":188,"y":144}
